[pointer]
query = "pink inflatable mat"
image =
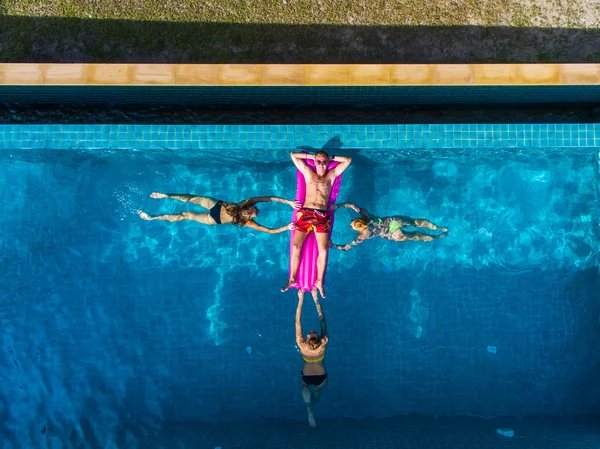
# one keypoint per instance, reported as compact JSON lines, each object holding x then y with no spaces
{"x":307,"y":271}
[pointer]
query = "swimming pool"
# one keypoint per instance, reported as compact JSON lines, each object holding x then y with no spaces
{"x":109,"y":318}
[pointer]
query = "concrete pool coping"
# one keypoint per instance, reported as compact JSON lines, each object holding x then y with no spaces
{"x":298,"y":75}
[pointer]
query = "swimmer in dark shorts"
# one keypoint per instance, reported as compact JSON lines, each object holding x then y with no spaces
{"x":240,"y":214}
{"x":314,"y":216}
{"x":314,"y":375}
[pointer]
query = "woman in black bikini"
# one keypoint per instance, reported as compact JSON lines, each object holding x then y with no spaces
{"x":314,"y":375}
{"x":219,"y":212}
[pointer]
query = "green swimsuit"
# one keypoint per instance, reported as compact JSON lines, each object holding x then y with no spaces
{"x":394,"y":226}
{"x":379,"y":226}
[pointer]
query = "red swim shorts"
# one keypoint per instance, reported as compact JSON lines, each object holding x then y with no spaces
{"x":313,"y":220}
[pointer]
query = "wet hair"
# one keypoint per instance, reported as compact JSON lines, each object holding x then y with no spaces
{"x":314,"y":341}
{"x":360,"y":224}
{"x":322,"y":153}
{"x":239,"y":214}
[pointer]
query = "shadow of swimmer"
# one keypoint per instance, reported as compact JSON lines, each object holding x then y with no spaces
{"x":418,"y":315}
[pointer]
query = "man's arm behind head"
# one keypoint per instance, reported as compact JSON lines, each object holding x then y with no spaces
{"x":344,"y":163}
{"x":298,"y":160}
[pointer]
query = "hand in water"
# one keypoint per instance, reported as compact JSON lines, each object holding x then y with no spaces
{"x":339,"y":247}
{"x":295,"y":204}
{"x":291,"y":226}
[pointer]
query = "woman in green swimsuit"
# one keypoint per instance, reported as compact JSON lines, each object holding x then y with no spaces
{"x":240,"y":214}
{"x":312,"y":349}
{"x":391,"y":228}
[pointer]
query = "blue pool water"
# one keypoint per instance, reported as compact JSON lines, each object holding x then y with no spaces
{"x":108,"y":318}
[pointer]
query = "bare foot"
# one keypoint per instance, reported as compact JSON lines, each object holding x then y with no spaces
{"x":443,"y":235}
{"x":288,"y":285}
{"x":444,"y":229}
{"x":157,"y":195}
{"x":144,"y":215}
{"x":319,"y":286}
{"x":311,"y":418}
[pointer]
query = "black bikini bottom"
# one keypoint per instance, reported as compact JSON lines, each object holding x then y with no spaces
{"x":215,"y":212}
{"x":314,"y":380}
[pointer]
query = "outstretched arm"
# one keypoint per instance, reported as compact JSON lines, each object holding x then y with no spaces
{"x":299,"y":335}
{"x":344,"y":162}
{"x":257,"y":227}
{"x":265,"y":199}
{"x":298,"y":160}
{"x":321,"y":314}
{"x":352,"y":206}
{"x":346,"y":247}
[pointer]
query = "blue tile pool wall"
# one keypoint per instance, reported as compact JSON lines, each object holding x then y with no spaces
{"x":545,"y":327}
{"x":280,"y":137}
{"x":320,"y":95}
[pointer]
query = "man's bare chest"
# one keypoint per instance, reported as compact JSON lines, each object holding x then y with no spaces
{"x":320,"y":184}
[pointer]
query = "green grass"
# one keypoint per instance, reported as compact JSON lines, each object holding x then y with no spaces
{"x":298,"y":31}
{"x":293,"y":12}
{"x":303,"y":12}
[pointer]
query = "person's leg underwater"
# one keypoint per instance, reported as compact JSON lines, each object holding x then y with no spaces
{"x":200,"y":217}
{"x":306,"y":396}
{"x":203,"y":201}
{"x":403,"y":236}
{"x":406,"y":221}
{"x":299,"y":238}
